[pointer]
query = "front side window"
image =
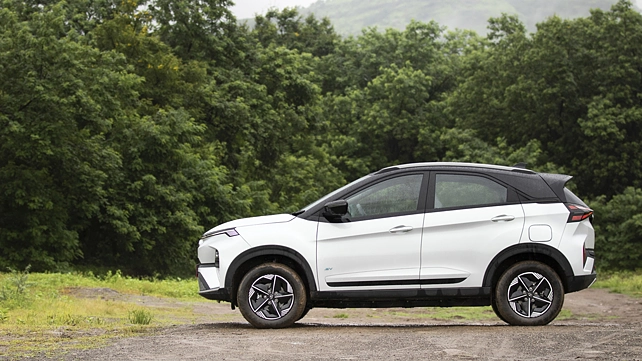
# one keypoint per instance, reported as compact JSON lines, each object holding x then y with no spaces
{"x":396,"y":195}
{"x":456,"y":190}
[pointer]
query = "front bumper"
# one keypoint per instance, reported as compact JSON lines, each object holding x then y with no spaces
{"x":209,"y":285}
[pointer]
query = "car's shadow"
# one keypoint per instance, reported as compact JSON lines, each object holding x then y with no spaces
{"x":321,"y":325}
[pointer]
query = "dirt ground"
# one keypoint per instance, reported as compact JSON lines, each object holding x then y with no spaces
{"x":604,"y":326}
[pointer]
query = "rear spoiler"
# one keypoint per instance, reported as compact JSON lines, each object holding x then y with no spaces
{"x":557,"y":182}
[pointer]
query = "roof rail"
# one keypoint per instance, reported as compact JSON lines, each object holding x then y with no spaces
{"x":386,"y":170}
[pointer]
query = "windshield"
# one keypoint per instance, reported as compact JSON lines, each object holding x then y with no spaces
{"x":329,"y":195}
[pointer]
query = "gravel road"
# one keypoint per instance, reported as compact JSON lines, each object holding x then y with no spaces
{"x":604,"y":326}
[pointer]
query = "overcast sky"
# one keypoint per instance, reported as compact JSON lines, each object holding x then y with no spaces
{"x":248,"y":8}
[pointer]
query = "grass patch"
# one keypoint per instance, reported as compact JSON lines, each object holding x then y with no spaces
{"x":341,"y":315}
{"x":175,"y":288}
{"x":628,"y":283}
{"x":565,"y":315}
{"x":40,"y":316}
{"x":48,"y":344}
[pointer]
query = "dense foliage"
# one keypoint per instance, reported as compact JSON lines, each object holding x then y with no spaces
{"x":127,"y":128}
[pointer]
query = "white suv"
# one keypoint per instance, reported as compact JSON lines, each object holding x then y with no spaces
{"x":424,"y":234}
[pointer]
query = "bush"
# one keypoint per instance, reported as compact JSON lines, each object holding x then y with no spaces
{"x":140,"y":317}
{"x":13,"y":290}
{"x":618,"y":230}
{"x":626,"y":282}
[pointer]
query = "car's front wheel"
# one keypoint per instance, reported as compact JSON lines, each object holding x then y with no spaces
{"x":529,"y":293}
{"x":271,"y":295}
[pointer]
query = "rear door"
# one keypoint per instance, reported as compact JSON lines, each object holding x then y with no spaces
{"x":473,"y":218}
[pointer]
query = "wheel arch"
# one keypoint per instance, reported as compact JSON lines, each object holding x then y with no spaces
{"x":529,"y":252}
{"x":263,"y":254}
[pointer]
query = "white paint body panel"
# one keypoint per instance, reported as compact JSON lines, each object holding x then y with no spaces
{"x":441,"y":245}
{"x":297,"y":234}
{"x":284,"y":230}
{"x":359,"y":251}
{"x":394,"y":275}
{"x":576,"y":235}
{"x":463,"y":242}
{"x":553,"y":215}
{"x":254,"y":221}
{"x":228,"y":248}
{"x":211,"y":276}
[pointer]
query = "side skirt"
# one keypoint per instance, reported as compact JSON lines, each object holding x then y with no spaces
{"x":433,"y":297}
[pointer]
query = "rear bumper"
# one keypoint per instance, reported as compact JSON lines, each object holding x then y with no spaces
{"x":217,"y":295}
{"x":578,"y":283}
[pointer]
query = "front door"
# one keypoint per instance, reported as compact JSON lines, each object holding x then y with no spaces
{"x":378,"y":246}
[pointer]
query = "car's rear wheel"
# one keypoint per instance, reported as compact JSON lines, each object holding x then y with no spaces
{"x":529,"y":293}
{"x":271,"y":295}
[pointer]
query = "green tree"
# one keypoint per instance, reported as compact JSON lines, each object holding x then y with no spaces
{"x":58,"y":99}
{"x":167,"y":187}
{"x":618,"y":230}
{"x":574,"y":86}
{"x":287,"y":28}
{"x":389,"y":96}
{"x":195,"y":30}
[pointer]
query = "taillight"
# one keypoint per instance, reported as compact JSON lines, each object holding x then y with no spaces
{"x":578,"y":213}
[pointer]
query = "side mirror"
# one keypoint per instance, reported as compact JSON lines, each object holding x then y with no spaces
{"x":334,"y":210}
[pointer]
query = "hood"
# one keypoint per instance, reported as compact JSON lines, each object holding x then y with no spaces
{"x":253,"y":221}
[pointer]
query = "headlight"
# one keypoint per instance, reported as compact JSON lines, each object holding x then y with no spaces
{"x":231,"y":232}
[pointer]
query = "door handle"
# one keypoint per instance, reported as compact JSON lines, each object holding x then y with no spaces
{"x":401,"y":229}
{"x":503,"y":218}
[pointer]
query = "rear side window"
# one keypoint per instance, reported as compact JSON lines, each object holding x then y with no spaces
{"x":572,"y":198}
{"x":456,"y":190}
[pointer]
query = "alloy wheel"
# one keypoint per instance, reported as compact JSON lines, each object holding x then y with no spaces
{"x":530,"y":295}
{"x":271,"y":297}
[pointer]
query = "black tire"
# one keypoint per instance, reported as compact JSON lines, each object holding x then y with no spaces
{"x":529,"y":293}
{"x":305,"y":312}
{"x":271,"y":295}
{"x":493,"y":304}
